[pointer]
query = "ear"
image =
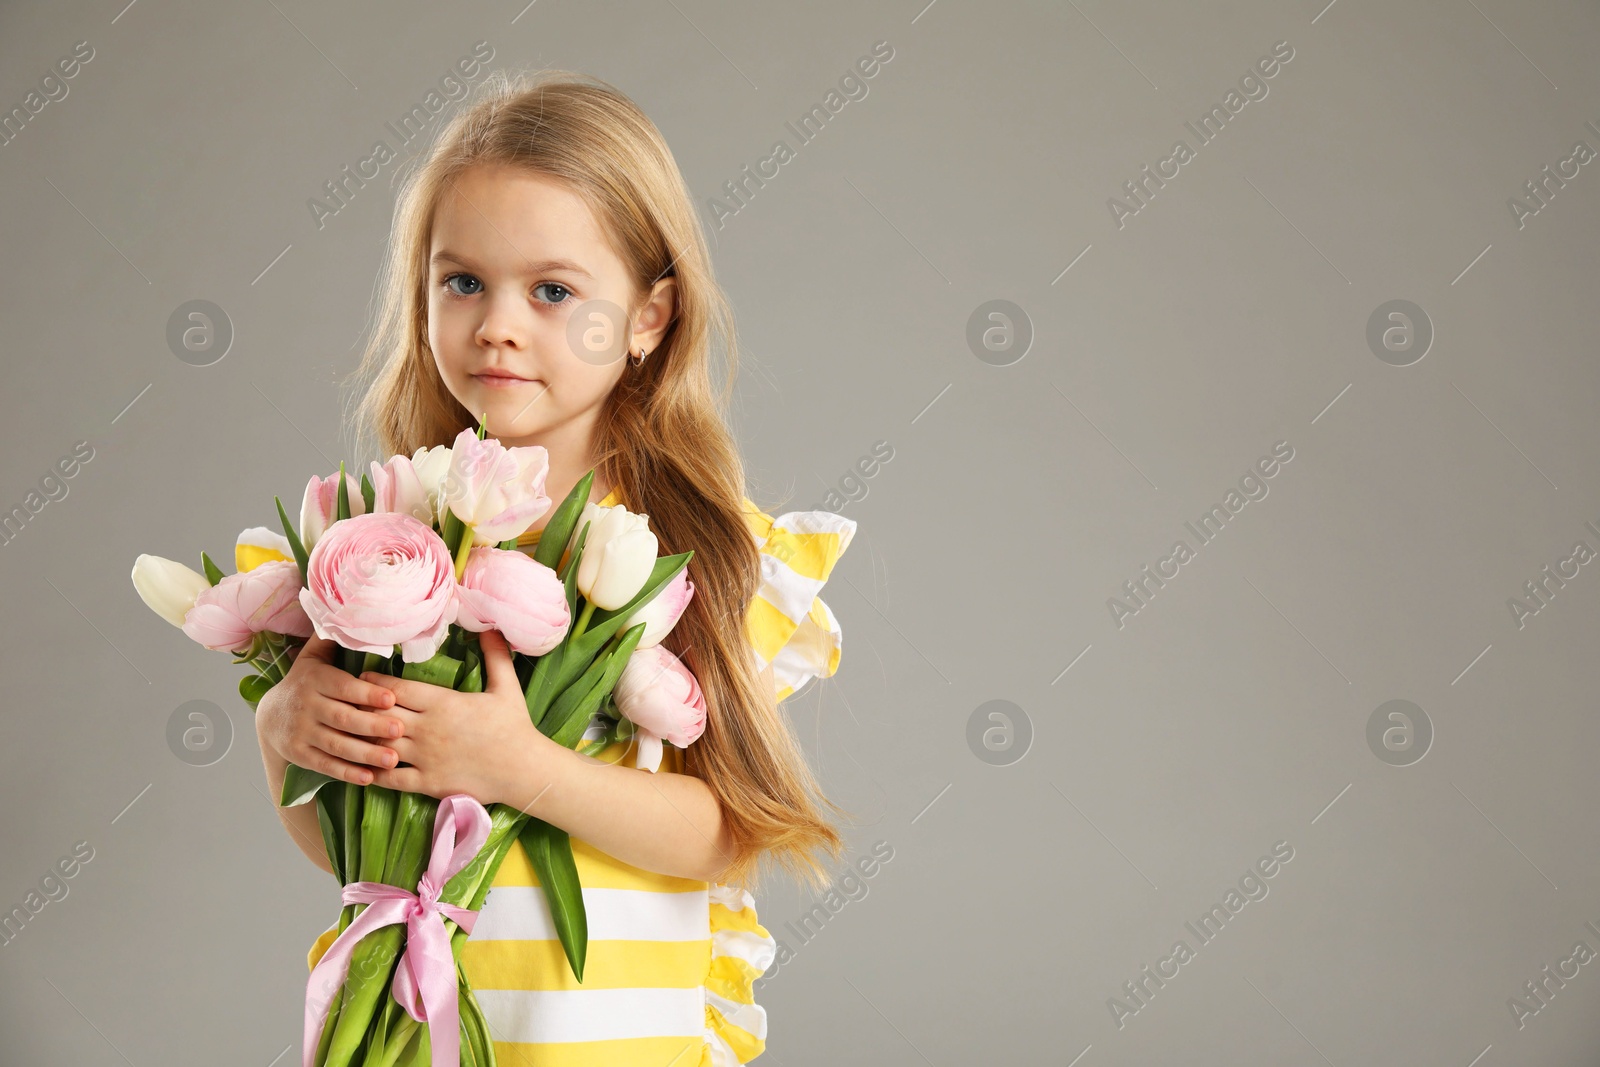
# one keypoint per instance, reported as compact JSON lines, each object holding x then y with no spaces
{"x":655,"y":316}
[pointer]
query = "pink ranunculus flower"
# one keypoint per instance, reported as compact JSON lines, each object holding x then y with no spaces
{"x":659,"y":696}
{"x":380,"y":580}
{"x":398,"y":488}
{"x":265,"y":598}
{"x":320,"y":505}
{"x":516,"y":594}
{"x":661,"y":612}
{"x":498,"y":491}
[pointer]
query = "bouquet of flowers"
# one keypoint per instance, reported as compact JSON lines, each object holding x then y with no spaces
{"x":402,"y":572}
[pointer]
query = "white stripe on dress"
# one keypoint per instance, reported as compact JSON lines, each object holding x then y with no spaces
{"x":521,"y":913}
{"x":541,"y":1017}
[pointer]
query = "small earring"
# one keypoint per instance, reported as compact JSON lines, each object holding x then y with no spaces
{"x":636,"y":361}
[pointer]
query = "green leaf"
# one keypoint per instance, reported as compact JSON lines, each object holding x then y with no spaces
{"x":569,"y":573}
{"x":550,"y":851}
{"x":343,"y":511}
{"x":300,"y":785}
{"x":330,"y":816}
{"x":354,"y":807}
{"x":452,"y":530}
{"x":253,"y":687}
{"x":368,"y":493}
{"x":349,"y":660}
{"x":294,"y":539}
{"x":474,"y":1030}
{"x":441,"y":669}
{"x":213,"y":572}
{"x":582,"y":649}
{"x":567,"y":733}
{"x":377,"y":820}
{"x":558,"y":531}
{"x":470,"y":680}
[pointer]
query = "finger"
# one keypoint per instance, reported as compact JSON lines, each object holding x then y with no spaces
{"x":318,"y":648}
{"x":497,"y":658}
{"x":354,"y":750}
{"x":418,"y":696}
{"x":369,"y":689}
{"x":400,"y":779}
{"x":359,"y":720}
{"x":315,"y":759}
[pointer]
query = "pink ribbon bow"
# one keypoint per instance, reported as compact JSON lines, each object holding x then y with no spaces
{"x":425,"y":979}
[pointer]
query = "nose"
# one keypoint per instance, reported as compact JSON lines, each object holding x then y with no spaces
{"x":504,"y":323}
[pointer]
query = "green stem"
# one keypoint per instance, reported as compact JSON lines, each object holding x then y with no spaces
{"x":463,"y":552}
{"x":583,"y":622}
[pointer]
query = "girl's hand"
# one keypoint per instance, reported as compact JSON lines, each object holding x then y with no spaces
{"x":319,"y":716}
{"x":479,"y":744}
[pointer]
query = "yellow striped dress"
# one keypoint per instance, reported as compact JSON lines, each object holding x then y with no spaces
{"x":671,"y":961}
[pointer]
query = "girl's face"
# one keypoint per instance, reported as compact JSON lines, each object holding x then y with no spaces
{"x":513,"y":255}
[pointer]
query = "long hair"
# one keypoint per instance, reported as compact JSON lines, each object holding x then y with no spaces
{"x":662,"y":439}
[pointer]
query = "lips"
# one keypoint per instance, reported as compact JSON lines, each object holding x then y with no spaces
{"x":500,"y":376}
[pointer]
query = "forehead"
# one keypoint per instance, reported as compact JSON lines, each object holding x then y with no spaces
{"x":504,"y":216}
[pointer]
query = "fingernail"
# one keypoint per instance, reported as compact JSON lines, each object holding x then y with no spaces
{"x":394,"y":729}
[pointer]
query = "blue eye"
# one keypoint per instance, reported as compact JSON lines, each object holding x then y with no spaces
{"x":562,"y":295}
{"x":554,"y":285}
{"x":467,"y":277}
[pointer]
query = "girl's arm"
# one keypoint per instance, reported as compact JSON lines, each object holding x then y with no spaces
{"x":300,"y":820}
{"x":663,"y":822}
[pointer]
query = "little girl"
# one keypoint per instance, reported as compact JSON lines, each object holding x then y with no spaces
{"x":547,"y":269}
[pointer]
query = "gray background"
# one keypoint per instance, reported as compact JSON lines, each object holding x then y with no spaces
{"x":1231,"y":313}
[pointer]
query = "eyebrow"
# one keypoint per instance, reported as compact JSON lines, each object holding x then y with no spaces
{"x":543,"y":266}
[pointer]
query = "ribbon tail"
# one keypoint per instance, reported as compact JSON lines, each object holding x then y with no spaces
{"x":333,"y":968}
{"x":425,"y":986}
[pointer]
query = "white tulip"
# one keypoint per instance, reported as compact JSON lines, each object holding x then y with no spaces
{"x":618,"y":556}
{"x":168,"y":588}
{"x":431,"y":465}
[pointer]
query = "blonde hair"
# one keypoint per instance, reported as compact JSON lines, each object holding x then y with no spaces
{"x":661,"y":441}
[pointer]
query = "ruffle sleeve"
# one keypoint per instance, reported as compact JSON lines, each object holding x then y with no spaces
{"x":741,"y":951}
{"x":789,"y":625}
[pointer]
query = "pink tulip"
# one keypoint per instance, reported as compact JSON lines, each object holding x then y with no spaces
{"x":397,"y":488}
{"x":376,"y":581}
{"x":661,"y":612}
{"x":263,"y":599}
{"x":516,"y":594}
{"x":321,"y":504}
{"x":498,"y":491}
{"x":658,"y":695}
